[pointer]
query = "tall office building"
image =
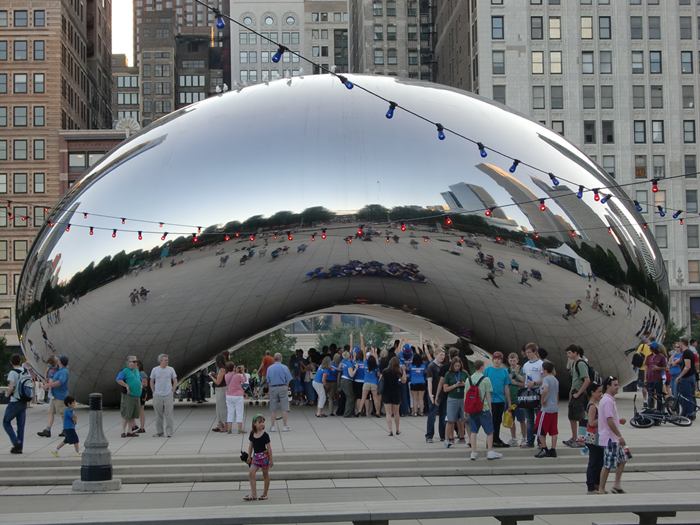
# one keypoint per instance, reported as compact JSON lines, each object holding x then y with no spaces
{"x":156,"y":63}
{"x":55,"y":73}
{"x":617,"y":78}
{"x":125,"y":91}
{"x":392,"y":37}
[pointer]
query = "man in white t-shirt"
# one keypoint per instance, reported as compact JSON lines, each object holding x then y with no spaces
{"x":163,"y":382}
{"x":532,"y":370}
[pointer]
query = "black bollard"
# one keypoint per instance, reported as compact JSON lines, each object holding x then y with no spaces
{"x":96,"y":464}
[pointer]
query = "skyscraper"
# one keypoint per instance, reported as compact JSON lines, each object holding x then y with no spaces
{"x":615,"y":77}
{"x":55,"y":73}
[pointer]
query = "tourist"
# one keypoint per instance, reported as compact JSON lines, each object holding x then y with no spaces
{"x":163,"y":383}
{"x":146,"y":394}
{"x":432,"y":374}
{"x":500,"y":381}
{"x":491,"y":276}
{"x":235,"y":379}
{"x":610,"y":437}
{"x":595,"y":451}
{"x":517,"y":381}
{"x":548,"y":415}
{"x":453,"y":387}
{"x":309,"y":368}
{"x":278,"y":378}
{"x":417,"y":384}
{"x":296,"y":362}
{"x":370,"y":388}
{"x":393,"y":377}
{"x":580,"y":380}
{"x":674,"y":362}
{"x":524,"y":277}
{"x":644,"y":351}
{"x":532,"y":370}
{"x":655,"y":370}
{"x":405,"y":360}
{"x":259,"y":455}
{"x":483,"y":418}
{"x":572,"y":309}
{"x":51,"y":368}
{"x":59,"y":390}
{"x":332,"y":382}
{"x":266,"y":361}
{"x":687,"y":380}
{"x":358,"y":377}
{"x":70,"y":419}
{"x":320,"y":383}
{"x":219,"y":381}
{"x":347,"y":370}
{"x":16,"y":408}
{"x":129,"y":380}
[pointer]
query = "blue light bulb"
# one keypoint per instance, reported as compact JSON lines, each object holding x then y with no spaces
{"x":441,"y":131}
{"x":349,"y":84}
{"x":482,"y":150}
{"x":677,"y":214}
{"x":555,"y":181}
{"x":579,"y":194}
{"x":220,"y":22}
{"x":514,"y":166}
{"x":390,"y":112}
{"x":278,"y":55}
{"x":605,"y":199}
{"x":662,"y":212}
{"x":638,"y":206}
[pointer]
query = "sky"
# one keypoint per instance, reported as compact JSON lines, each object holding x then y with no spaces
{"x":123,"y":29}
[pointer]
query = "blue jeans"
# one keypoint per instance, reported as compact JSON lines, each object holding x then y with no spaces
{"x":15,"y":410}
{"x":674,"y":385}
{"x":310,"y":392}
{"x":433,"y":411}
{"x":686,"y":388}
{"x":530,"y":417}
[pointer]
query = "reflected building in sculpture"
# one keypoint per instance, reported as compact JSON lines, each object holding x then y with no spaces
{"x":395,"y":258}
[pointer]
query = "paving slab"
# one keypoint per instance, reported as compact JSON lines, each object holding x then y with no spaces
{"x":415,"y":481}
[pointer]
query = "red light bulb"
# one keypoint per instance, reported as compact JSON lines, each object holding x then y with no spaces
{"x":162,"y":237}
{"x":596,"y":195}
{"x":123,"y":220}
{"x":403,"y":226}
{"x":92,"y":231}
{"x":68,"y":227}
{"x":448,"y":221}
{"x":194,"y":237}
{"x":323,"y":234}
{"x":161,"y":224}
{"x":227,"y":237}
{"x":290,"y":237}
{"x":114,"y":233}
{"x":313,"y":236}
{"x":543,"y":206}
{"x":252,"y":237}
{"x":488,"y":212}
{"x":236,"y":235}
{"x":85,"y":215}
{"x":140,"y":236}
{"x":655,"y":185}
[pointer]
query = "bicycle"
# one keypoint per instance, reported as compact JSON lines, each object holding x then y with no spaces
{"x":673,"y":404}
{"x":649,"y":417}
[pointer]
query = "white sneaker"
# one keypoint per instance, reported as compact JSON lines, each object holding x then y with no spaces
{"x":286,"y":429}
{"x":513,"y":442}
{"x":473,"y":456}
{"x":273,"y":429}
{"x":492,"y":454}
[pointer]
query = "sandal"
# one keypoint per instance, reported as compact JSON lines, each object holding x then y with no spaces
{"x":391,"y":433}
{"x":616,"y":490}
{"x":249,"y":498}
{"x":123,"y":435}
{"x":398,"y":433}
{"x":217,"y":429}
{"x":263,"y":497}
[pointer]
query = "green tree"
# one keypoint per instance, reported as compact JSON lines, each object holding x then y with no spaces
{"x":252,"y":353}
{"x":673,"y":334}
{"x":316,"y":214}
{"x":373,"y":212}
{"x":375,"y":334}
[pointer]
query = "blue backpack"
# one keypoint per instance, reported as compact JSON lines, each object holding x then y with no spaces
{"x":25,"y":385}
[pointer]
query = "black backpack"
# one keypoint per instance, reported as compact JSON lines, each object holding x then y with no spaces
{"x":593,"y":375}
{"x":24,"y":386}
{"x":637,"y":359}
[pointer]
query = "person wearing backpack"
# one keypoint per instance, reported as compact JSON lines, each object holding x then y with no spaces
{"x":19,"y":392}
{"x":578,"y":400}
{"x":477,"y":405}
{"x":59,"y":390}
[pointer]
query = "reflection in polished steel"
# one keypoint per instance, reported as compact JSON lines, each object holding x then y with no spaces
{"x":347,"y":208}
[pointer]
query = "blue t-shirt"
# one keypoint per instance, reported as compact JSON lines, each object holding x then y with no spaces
{"x":500,"y":378}
{"x":68,"y":419}
{"x":319,"y":375}
{"x":417,"y":374}
{"x":344,"y":365}
{"x":371,"y":378}
{"x":332,"y":374}
{"x":60,"y":392}
{"x":360,"y":367}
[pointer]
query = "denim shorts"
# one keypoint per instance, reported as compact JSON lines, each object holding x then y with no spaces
{"x":482,"y":420}
{"x":519,"y":415}
{"x":455,"y":410}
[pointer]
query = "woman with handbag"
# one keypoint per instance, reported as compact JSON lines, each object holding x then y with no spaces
{"x":220,"y":391}
{"x":595,"y":451}
{"x":394,"y":377}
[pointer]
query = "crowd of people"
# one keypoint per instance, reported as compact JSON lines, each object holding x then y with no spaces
{"x":405,"y":271}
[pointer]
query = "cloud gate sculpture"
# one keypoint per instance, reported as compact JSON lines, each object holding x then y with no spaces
{"x":267,"y":204}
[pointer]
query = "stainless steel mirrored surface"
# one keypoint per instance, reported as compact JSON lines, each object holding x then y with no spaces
{"x":287,"y":160}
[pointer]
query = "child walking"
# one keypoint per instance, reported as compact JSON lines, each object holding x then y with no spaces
{"x":69,"y":422}
{"x":259,"y":457}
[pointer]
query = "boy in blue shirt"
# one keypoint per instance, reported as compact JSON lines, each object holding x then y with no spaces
{"x":69,"y":421}
{"x":500,"y":379}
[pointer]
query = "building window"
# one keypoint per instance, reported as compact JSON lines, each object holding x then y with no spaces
{"x":587,"y":62}
{"x":657,"y":97}
{"x":39,"y":50}
{"x":20,"y":217}
{"x":497,"y":28}
{"x":694,"y":271}
{"x":660,"y":198}
{"x":636,"y":28}
{"x":691,"y":201}
{"x":554,"y":28}
{"x":412,"y":57}
{"x":537,"y":97}
{"x":39,"y":149}
{"x":378,"y":57}
{"x":640,"y":166}
{"x":637,"y":61}
{"x":686,"y":62}
{"x":658,"y":164}
{"x":661,"y":235}
{"x":19,"y":183}
{"x":19,"y":149}
{"x":556,"y":94}
{"x":19,"y":250}
{"x":536,"y":29}
{"x":606,"y":62}
{"x":39,"y":182}
{"x":689,"y":131}
{"x":39,"y":18}
{"x":655,"y":62}
{"x":20,"y":50}
{"x":19,"y":116}
{"x":3,"y":18}
{"x":604,"y":29}
{"x":499,"y":94}
{"x":657,"y":131}
{"x":3,"y":220}
{"x":608,"y":131}
{"x":20,"y":83}
{"x":21,"y":18}
{"x":638,"y":98}
{"x":690,"y":166}
{"x":589,"y":132}
{"x":390,"y":7}
{"x":3,"y":83}
{"x":555,"y":62}
{"x":588,"y":97}
{"x":3,"y":50}
{"x":38,"y":82}
{"x":537,"y":62}
{"x":606,"y":97}
{"x":654,"y":28}
{"x":391,"y":56}
{"x":3,"y":284}
{"x":3,"y":149}
{"x":686,"y":28}
{"x":391,"y":32}
{"x":378,"y":32}
{"x":688,"y":96}
{"x":642,"y":196}
{"x":38,"y":216}
{"x":3,"y":116}
{"x":609,"y":161}
{"x":586,"y":27}
{"x":693,"y":239}
{"x":558,"y":126}
{"x":412,"y":32}
{"x":498,"y":62}
{"x":378,"y":8}
{"x":640,"y":132}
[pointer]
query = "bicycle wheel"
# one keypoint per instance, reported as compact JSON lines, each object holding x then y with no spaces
{"x":672,"y":405}
{"x":640,"y":421}
{"x":681,"y":421}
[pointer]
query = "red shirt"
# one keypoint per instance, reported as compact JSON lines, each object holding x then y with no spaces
{"x":654,"y":376}
{"x":266,"y":362}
